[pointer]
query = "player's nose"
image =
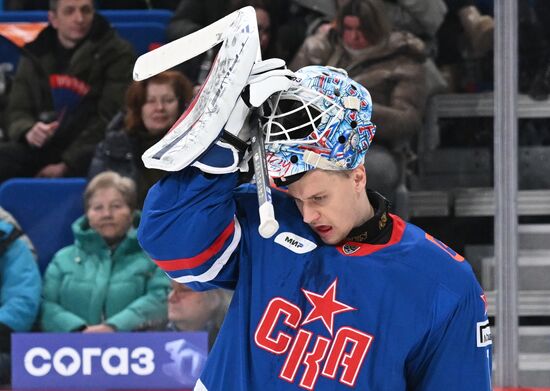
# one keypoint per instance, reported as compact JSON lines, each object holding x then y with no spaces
{"x":309,"y":214}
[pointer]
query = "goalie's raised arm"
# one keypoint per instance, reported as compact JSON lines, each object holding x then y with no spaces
{"x":189,"y":228}
{"x":199,"y":207}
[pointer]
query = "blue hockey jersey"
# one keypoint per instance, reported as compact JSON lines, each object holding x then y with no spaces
{"x":407,"y":315}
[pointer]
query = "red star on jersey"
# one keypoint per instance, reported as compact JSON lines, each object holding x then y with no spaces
{"x":325,"y":306}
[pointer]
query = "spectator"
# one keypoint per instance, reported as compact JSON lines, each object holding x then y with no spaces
{"x":152,"y":107}
{"x":291,"y":18}
{"x":190,"y":310}
{"x":266,"y":27}
{"x":19,"y":288}
{"x":422,"y":18}
{"x":478,"y":28}
{"x":391,"y":66}
{"x":300,"y":19}
{"x":104,"y":282}
{"x":69,"y":81}
{"x":465,"y":41}
{"x":190,"y":16}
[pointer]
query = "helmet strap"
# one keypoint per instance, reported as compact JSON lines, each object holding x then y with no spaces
{"x":318,"y":161}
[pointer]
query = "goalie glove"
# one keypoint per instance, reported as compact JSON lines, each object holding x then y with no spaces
{"x":231,"y":151}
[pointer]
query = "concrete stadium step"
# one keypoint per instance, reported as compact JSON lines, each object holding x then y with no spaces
{"x":429,"y":203}
{"x":532,"y":339}
{"x":482,"y":105}
{"x":531,"y":237}
{"x":534,"y":236}
{"x":530,"y":303}
{"x":472,"y":201}
{"x":533,"y":259}
{"x":534,"y":370}
{"x":533,"y":270}
{"x":481,"y":202}
{"x":452,"y":168}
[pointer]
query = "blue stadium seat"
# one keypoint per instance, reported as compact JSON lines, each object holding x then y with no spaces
{"x":161,"y":16}
{"x":143,"y":36}
{"x":9,"y":54}
{"x":24,"y":16}
{"x":45,"y":208}
{"x":114,"y":16}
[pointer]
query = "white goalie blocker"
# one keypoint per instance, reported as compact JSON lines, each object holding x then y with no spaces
{"x":219,"y":108}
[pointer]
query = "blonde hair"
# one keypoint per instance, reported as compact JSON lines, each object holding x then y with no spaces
{"x":111,"y":179}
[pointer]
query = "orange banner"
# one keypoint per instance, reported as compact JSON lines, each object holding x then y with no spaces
{"x":21,"y":33}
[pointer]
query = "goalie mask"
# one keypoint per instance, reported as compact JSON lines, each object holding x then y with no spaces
{"x":322,"y":121}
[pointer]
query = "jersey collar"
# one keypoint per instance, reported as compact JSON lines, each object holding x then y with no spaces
{"x":382,"y":230}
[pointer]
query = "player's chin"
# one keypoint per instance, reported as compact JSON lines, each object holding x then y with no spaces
{"x":332,"y":238}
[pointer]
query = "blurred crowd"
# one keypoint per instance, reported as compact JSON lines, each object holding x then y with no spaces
{"x":71,"y":109}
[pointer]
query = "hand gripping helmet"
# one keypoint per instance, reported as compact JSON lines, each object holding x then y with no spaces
{"x":321,"y":121}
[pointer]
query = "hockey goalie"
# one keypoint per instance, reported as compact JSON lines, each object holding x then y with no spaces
{"x":337,"y":292}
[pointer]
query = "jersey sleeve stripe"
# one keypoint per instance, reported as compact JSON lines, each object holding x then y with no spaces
{"x":198,"y":260}
{"x":214,"y":270}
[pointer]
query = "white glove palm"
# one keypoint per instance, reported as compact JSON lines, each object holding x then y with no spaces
{"x":266,"y":78}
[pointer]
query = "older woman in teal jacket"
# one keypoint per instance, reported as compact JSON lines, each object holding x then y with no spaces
{"x":104,"y":282}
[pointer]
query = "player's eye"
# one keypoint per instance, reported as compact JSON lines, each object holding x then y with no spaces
{"x":297,"y":201}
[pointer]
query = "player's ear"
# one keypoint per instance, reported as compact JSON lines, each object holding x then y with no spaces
{"x":359,"y":177}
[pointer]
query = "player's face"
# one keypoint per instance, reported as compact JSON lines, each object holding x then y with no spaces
{"x":332,"y":203}
{"x":73,"y":20}
{"x":352,"y":34}
{"x":109,"y":214}
{"x":190,"y":310}
{"x":161,"y":108}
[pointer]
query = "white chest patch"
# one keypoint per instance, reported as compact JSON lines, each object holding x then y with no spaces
{"x":295,"y":243}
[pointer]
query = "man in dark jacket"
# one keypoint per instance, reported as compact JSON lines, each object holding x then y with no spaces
{"x":70,"y":81}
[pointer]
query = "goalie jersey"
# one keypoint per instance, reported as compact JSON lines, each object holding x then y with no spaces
{"x":407,"y":315}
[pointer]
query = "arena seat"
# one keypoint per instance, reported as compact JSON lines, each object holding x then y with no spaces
{"x":9,"y":58}
{"x":45,"y":209}
{"x":114,"y":16}
{"x":161,"y":16}
{"x":24,"y":16}
{"x":143,"y":36}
